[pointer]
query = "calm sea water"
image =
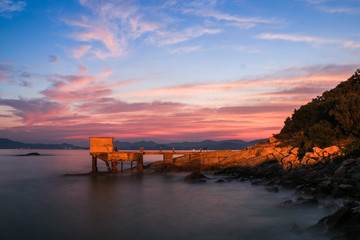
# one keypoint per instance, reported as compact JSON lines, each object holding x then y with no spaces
{"x":38,"y":202}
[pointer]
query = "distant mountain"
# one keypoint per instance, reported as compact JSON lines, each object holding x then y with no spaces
{"x":9,"y":144}
{"x":211,"y":145}
{"x":147,"y":145}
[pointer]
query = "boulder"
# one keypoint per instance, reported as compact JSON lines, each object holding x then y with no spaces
{"x":344,"y":218}
{"x":324,"y":187}
{"x":194,"y":177}
{"x":311,"y":162}
{"x":340,"y":172}
{"x":348,"y":162}
{"x":272,"y":140}
{"x":286,"y":204}
{"x":272,"y":189}
{"x":346,"y":187}
{"x":318,"y":151}
{"x":267,"y":151}
{"x":295,"y":151}
{"x":333,"y":150}
{"x":311,"y":155}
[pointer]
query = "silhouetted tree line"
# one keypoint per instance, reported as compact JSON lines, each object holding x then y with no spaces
{"x":330,"y":119}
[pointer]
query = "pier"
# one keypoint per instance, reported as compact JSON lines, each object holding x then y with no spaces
{"x":102,"y":148}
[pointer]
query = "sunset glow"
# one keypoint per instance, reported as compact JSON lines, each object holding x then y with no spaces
{"x":168,"y":70}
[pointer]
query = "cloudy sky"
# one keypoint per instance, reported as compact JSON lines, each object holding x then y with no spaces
{"x":168,"y":70}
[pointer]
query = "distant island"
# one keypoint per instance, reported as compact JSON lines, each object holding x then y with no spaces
{"x":6,"y":143}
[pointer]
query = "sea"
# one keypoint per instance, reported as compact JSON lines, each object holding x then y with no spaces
{"x":39,"y":201}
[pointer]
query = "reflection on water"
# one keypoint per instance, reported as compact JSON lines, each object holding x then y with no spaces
{"x":38,"y":202}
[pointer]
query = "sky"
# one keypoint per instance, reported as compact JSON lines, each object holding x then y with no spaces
{"x":168,"y":70}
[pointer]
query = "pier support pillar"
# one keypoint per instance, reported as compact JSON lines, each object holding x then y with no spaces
{"x":94,"y":164}
{"x":140,"y":160}
{"x":108,"y":166}
{"x":122,"y":165}
{"x":168,"y":158}
{"x":139,"y":163}
{"x":114,"y":166}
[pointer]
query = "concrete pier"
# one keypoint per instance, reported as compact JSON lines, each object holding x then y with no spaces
{"x":103,"y":148}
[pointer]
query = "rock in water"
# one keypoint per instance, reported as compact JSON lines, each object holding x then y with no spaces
{"x":195,"y":176}
{"x":345,"y":218}
{"x":30,"y":154}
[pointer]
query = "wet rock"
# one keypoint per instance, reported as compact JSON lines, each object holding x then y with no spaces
{"x":340,"y":172}
{"x":343,"y":218}
{"x":346,"y":187}
{"x":286,"y":204}
{"x":195,"y":177}
{"x":325,"y":187}
{"x":272,"y":189}
{"x":220,"y":180}
{"x":348,"y":162}
{"x":257,"y":182}
{"x":312,"y":201}
{"x":309,"y":190}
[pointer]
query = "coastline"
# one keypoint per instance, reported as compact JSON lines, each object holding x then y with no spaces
{"x":332,"y":182}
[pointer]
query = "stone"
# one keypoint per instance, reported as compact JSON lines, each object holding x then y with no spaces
{"x":345,"y":218}
{"x":267,"y":151}
{"x":340,"y":172}
{"x":272,"y":189}
{"x":348,"y":162}
{"x":295,"y":151}
{"x":286,"y":204}
{"x":272,"y":140}
{"x":311,"y":155}
{"x":311,"y":162}
{"x":308,"y":201}
{"x":346,"y":187}
{"x":220,"y":180}
{"x":325,"y":187}
{"x":195,"y":176}
{"x":318,"y":151}
{"x":333,"y":150}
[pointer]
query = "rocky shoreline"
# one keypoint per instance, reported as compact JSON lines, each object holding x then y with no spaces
{"x":323,"y":176}
{"x":337,"y":179}
{"x":330,"y":180}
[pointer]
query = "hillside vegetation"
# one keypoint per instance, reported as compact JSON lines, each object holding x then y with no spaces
{"x":330,"y":119}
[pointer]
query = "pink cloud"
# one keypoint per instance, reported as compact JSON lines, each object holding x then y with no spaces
{"x":114,"y":45}
{"x":78,"y":106}
{"x":164,"y":37}
{"x":80,"y":51}
{"x":81,"y":88}
{"x":294,"y":38}
{"x":34,"y":111}
{"x":295,"y":86}
{"x":82,"y":69}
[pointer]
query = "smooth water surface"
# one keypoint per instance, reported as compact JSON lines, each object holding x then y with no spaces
{"x":38,"y":202}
